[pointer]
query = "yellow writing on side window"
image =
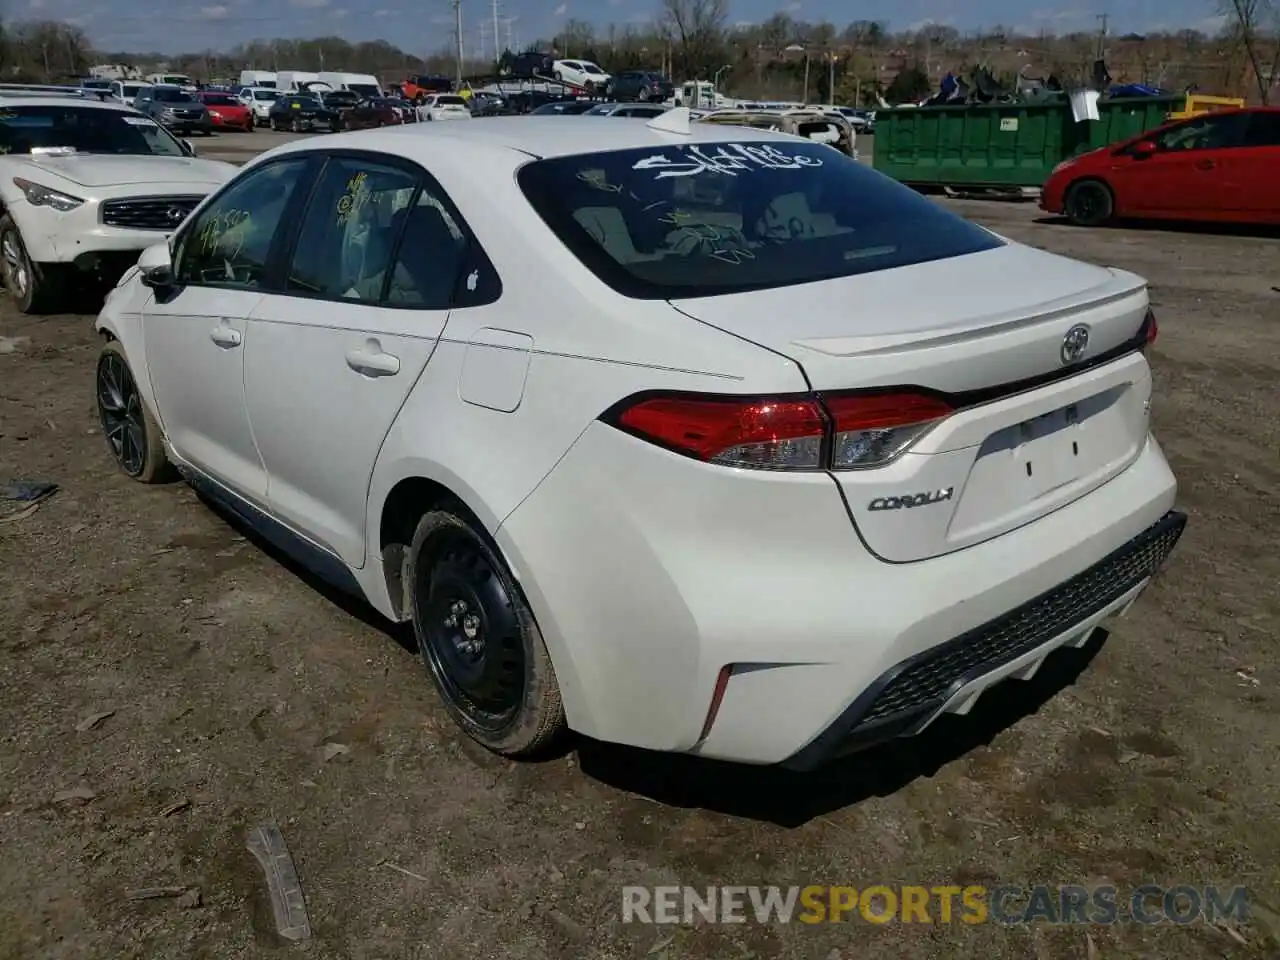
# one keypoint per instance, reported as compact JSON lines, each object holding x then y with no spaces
{"x":224,"y":231}
{"x":357,"y":196}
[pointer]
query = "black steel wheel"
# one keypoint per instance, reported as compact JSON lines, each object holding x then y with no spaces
{"x":132,"y":435}
{"x":478,"y":638}
{"x":1089,"y":203}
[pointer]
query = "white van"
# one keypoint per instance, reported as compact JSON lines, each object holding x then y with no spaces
{"x":297,"y":81}
{"x":364,"y":84}
{"x":173,"y":80}
{"x":258,"y":78}
{"x":126,"y":90}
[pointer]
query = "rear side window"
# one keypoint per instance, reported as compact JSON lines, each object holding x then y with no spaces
{"x":705,"y":219}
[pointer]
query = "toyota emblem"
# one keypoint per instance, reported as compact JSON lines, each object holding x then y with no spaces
{"x":175,"y":215}
{"x":1074,"y":344}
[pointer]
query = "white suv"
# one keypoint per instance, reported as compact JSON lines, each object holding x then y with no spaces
{"x":87,"y":186}
{"x":686,"y":436}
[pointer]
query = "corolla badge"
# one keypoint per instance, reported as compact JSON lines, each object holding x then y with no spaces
{"x":910,"y":500}
{"x":1074,"y":344}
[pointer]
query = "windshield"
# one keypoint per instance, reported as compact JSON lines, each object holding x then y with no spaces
{"x":177,"y":79}
{"x":84,"y":130}
{"x":266,"y":95}
{"x":715,"y":218}
{"x":365,"y":89}
{"x":170,"y":95}
{"x":131,"y":89}
{"x":221,"y":100}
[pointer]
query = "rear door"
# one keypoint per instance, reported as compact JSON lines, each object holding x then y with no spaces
{"x":367,"y":293}
{"x":1253,"y":193}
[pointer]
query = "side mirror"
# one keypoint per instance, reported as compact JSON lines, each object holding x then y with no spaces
{"x":156,"y":266}
{"x":188,"y":148}
{"x":1144,"y":149}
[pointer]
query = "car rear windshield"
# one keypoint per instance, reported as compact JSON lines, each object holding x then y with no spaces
{"x":712,"y":218}
{"x":173,"y":96}
{"x":221,"y":100}
{"x":450,"y":102}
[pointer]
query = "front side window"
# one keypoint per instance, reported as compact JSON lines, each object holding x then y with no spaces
{"x":354,"y":218}
{"x":712,"y":218}
{"x":84,"y":130}
{"x":228,"y":243}
{"x":1208,"y":132}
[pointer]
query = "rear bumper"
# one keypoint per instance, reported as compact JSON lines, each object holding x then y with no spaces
{"x":950,"y":677}
{"x":650,"y":573}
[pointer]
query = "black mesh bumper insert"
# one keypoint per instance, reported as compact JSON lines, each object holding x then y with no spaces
{"x":912,"y":690}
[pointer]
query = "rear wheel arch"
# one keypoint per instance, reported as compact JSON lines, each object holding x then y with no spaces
{"x":404,"y":506}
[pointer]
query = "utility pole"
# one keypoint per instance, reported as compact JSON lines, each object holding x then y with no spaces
{"x":1103,"y":19}
{"x":496,"y":52}
{"x":457,"y":27}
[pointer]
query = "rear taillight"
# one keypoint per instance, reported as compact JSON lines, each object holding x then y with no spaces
{"x":796,"y":432}
{"x":765,"y":434}
{"x":1150,"y":329}
{"x":871,"y":429}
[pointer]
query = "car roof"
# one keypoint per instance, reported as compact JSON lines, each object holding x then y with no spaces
{"x":537,"y":136}
{"x":65,"y":101}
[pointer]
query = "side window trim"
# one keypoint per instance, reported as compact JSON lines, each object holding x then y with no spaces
{"x":270,"y":272}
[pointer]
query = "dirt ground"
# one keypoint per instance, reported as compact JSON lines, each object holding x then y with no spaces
{"x":227,"y":674}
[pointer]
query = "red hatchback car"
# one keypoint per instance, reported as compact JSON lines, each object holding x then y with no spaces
{"x":1222,"y":166}
{"x":226,"y":112}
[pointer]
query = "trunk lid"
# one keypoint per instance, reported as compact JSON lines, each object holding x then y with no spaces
{"x":963,"y":326}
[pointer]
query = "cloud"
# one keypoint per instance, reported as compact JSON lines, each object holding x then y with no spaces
{"x":561,"y":10}
{"x":36,"y":4}
{"x":1211,"y":24}
{"x":217,"y":12}
{"x":383,"y":13}
{"x":338,"y":13}
{"x":309,"y":4}
{"x":791,"y":8}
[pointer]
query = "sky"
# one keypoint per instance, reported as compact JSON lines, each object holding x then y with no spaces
{"x":426,"y":26}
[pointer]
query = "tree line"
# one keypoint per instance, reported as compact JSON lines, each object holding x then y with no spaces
{"x":782,"y":58}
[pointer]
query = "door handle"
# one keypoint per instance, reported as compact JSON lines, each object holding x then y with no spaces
{"x":224,"y":336}
{"x":373,"y":363}
{"x":1205,"y":165}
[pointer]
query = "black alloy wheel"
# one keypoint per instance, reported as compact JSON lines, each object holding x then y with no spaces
{"x":1089,"y":203}
{"x":120,"y":411}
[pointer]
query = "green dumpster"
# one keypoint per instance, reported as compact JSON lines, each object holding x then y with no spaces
{"x":1002,"y":146}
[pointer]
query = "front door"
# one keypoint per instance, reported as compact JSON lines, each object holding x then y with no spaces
{"x":1186,"y":176}
{"x":196,"y":338}
{"x":367,"y":295}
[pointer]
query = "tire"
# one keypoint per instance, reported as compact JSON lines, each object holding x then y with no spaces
{"x":1089,"y":203}
{"x":643,"y":95}
{"x":478,"y":638}
{"x":131,"y":433}
{"x":26,"y":282}
{"x":295,"y":126}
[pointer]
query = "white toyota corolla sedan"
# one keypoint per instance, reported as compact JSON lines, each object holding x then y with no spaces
{"x":685,"y":436}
